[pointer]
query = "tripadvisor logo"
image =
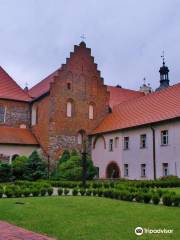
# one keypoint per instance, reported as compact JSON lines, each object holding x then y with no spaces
{"x":139,"y":231}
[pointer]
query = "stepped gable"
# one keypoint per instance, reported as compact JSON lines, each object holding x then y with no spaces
{"x":9,"y":89}
{"x":152,"y":108}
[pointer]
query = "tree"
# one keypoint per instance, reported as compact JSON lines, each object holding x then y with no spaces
{"x":72,"y":168}
{"x":35,"y":167}
{"x":19,"y":166}
{"x":5,"y":172}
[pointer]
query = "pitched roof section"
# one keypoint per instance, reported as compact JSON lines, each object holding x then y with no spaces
{"x":119,"y":95}
{"x":9,"y":89}
{"x":155,"y":107}
{"x":17,"y":136}
{"x":43,"y":86}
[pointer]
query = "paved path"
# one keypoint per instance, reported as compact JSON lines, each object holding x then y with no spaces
{"x":12,"y":232}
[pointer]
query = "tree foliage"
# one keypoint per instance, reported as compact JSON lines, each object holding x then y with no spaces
{"x":19,"y":167}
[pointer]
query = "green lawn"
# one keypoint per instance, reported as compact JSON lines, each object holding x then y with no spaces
{"x":90,"y":218}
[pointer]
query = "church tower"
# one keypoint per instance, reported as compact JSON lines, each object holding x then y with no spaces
{"x":164,"y":76}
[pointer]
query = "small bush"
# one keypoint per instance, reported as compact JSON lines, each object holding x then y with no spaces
{"x":167,"y":199}
{"x":100,"y":192}
{"x":176,"y":200}
{"x":94,"y":192}
{"x":26,"y":192}
{"x":156,"y":199}
{"x":82,"y":191}
{"x":9,"y":192}
{"x":88,"y":192}
{"x":75,"y":192}
{"x":147,"y":197}
{"x":66,"y":191}
{"x":139,"y":197}
{"x":35,"y":192}
{"x":1,"y":192}
{"x":43,"y":191}
{"x":60,"y":191}
{"x":50,"y":191}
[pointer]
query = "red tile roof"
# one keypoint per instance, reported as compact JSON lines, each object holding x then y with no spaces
{"x":119,"y":95}
{"x":155,"y":107}
{"x":9,"y":89}
{"x":43,"y":86}
{"x":22,"y":136}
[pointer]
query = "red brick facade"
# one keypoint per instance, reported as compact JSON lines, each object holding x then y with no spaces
{"x":79,"y":82}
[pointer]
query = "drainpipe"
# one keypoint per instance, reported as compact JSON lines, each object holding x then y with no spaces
{"x":154,"y":152}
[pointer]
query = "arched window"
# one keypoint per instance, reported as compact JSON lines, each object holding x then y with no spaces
{"x":91,"y":111}
{"x":69,"y":109}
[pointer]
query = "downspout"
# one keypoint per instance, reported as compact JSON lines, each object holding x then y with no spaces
{"x":154,"y":152}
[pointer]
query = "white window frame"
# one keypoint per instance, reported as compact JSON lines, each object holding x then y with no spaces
{"x":143,"y":141}
{"x":164,"y":137}
{"x":126,"y":143}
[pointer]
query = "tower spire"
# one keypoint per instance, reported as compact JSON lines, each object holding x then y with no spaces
{"x":164,"y":75}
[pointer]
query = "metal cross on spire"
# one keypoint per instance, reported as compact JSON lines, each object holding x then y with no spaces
{"x":163,"y":58}
{"x":83,"y":37}
{"x":144,"y":81}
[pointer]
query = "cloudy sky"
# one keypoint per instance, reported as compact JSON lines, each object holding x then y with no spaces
{"x":127,"y":38}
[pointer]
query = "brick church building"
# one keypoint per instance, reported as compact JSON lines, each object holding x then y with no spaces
{"x":72,"y":104}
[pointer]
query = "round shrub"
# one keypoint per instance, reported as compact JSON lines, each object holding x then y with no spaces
{"x":9,"y":192}
{"x":176,"y":200}
{"x":26,"y":192}
{"x":147,"y":197}
{"x":167,"y":199}
{"x":1,"y":192}
{"x":88,"y":192}
{"x":94,"y":192}
{"x":50,"y":191}
{"x":156,"y":199}
{"x":139,"y":197}
{"x":75,"y":192}
{"x":100,"y":192}
{"x":35,"y":192}
{"x":66,"y":191}
{"x":43,"y":191}
{"x":82,"y":191}
{"x":60,"y":191}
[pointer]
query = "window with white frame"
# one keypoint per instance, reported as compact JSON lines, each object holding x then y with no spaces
{"x":69,"y":109}
{"x":91,"y":111}
{"x":165,"y":169}
{"x":143,"y":170}
{"x":2,"y":114}
{"x":126,"y":143}
{"x":164,"y":137}
{"x":143,"y":141}
{"x":111,"y":145}
{"x":126,"y":170}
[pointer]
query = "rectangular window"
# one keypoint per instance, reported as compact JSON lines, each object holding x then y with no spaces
{"x":116,"y":142}
{"x":111,"y":145}
{"x":2,"y":114}
{"x":143,"y":141}
{"x":164,"y":137}
{"x":34,"y":116}
{"x":126,"y":143}
{"x":126,"y":171}
{"x":143,"y":170}
{"x":165,"y":169}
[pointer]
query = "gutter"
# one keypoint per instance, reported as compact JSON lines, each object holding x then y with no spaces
{"x":154,"y":152}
